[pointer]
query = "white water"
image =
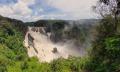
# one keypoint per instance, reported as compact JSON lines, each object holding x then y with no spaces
{"x":44,"y":46}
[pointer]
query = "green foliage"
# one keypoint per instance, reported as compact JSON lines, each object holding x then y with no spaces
{"x":113,"y":44}
{"x":105,"y":54}
{"x":12,"y":50}
{"x":72,"y":64}
{"x":61,"y":65}
{"x":34,"y":65}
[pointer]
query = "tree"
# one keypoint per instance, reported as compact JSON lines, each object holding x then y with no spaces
{"x":109,"y":7}
{"x":104,"y":56}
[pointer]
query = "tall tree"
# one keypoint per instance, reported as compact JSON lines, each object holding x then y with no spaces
{"x":109,"y":7}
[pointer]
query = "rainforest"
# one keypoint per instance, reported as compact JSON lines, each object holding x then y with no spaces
{"x":60,"y":45}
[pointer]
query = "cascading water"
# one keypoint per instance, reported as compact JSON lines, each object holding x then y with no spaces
{"x":43,"y":47}
{"x":39,"y":43}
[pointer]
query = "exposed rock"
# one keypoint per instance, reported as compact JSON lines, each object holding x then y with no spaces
{"x":30,"y":40}
{"x":55,"y":50}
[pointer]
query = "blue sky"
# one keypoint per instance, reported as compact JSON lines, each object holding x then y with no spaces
{"x":32,"y":10}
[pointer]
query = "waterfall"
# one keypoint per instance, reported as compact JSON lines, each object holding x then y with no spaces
{"x":43,"y":47}
{"x":48,"y":43}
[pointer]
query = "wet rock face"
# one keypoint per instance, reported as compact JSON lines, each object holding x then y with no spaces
{"x":30,"y":40}
{"x":35,"y":29}
{"x":55,"y":50}
{"x":39,"y":29}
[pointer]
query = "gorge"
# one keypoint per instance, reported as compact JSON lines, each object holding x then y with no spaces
{"x":59,"y":39}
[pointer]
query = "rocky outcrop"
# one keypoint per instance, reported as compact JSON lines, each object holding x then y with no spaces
{"x":30,"y":40}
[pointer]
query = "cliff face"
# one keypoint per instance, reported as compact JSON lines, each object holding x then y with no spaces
{"x":55,"y":41}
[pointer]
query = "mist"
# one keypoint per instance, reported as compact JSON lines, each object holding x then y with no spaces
{"x":59,"y":39}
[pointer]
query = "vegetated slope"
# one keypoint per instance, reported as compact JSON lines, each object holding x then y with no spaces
{"x":12,"y":51}
{"x":19,"y":25}
{"x":105,"y":52}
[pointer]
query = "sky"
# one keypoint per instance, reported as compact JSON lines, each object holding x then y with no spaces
{"x":32,"y":10}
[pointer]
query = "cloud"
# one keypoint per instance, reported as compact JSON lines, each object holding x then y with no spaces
{"x":32,"y":10}
{"x":19,"y":10}
{"x":76,"y":8}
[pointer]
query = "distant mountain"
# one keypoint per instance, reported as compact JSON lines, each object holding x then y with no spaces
{"x":22,"y":26}
{"x":47,"y":22}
